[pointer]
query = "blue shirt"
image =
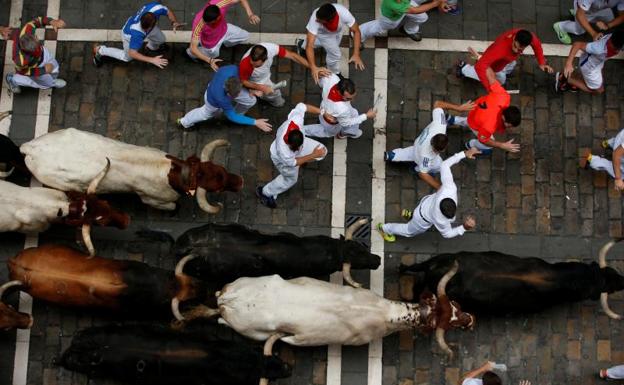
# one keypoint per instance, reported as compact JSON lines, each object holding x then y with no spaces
{"x":133,"y":25}
{"x":216,"y":95}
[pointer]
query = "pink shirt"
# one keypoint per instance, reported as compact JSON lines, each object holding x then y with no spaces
{"x":210,"y":34}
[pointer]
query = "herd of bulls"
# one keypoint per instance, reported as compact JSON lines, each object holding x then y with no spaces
{"x":257,"y":284}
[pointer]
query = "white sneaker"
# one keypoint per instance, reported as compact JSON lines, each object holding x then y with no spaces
{"x":280,"y":84}
{"x":59,"y":83}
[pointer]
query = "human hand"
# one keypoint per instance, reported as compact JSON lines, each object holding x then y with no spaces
{"x":546,"y":68}
{"x":315,"y":74}
{"x":468,"y":106}
{"x":568,"y":70}
{"x":159,"y":61}
{"x":49,"y":67}
{"x":267,"y":90}
{"x":213,"y":64}
{"x":469,"y":223}
{"x":619,"y":184}
{"x":324,"y":72}
{"x":5,"y":32}
{"x":57,"y":24}
{"x":471,"y":152}
{"x":489,"y":365}
{"x":474,"y":54}
{"x":254,"y":19}
{"x":357,"y":61}
{"x":263,"y":125}
{"x":319,"y":151}
{"x":596,"y":35}
{"x":602,"y":25}
{"x":371,"y":113}
{"x":177,"y":25}
{"x":510,"y":146}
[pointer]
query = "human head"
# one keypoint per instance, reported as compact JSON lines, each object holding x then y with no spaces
{"x":439,"y":142}
{"x":326,"y":13}
{"x":211,"y":14}
{"x":347,"y":88}
{"x":512,"y":116}
{"x":522,"y":39}
{"x":148,"y":21}
{"x":294,"y":139}
{"x":233,"y":86}
{"x":617,"y":39}
{"x":30,"y":44}
{"x":258,"y":55}
{"x":448,"y":207}
{"x":491,"y":378}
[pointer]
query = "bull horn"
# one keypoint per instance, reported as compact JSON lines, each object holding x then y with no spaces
{"x":346,"y":274}
{"x":602,"y":255}
{"x":210,"y":148}
{"x":604,"y":297}
{"x":175,"y":309}
{"x":6,"y":174}
{"x":268,"y":351}
{"x":8,"y":285}
{"x":200,"y":194}
{"x":199,"y":311}
{"x":264,"y":381}
{"x":98,"y":178}
{"x":354,"y":227}
{"x":602,"y":261}
{"x":5,"y":114}
{"x":446,"y":278}
{"x":86,"y":238}
{"x":442,"y":342}
{"x":179,"y":270}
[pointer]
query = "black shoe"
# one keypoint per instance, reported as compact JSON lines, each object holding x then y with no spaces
{"x":458,"y":69}
{"x":97,"y":58}
{"x":414,"y":36}
{"x":265,"y":200}
{"x":300,"y":48}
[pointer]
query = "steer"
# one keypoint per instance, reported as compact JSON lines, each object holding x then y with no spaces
{"x":499,"y":283}
{"x":309,"y":312}
{"x":33,"y":209}
{"x":64,"y":276}
{"x":10,"y":155}
{"x":146,"y":354}
{"x":68,"y":159}
{"x":227,"y":252}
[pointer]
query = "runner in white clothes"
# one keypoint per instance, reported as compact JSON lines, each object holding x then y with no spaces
{"x":588,"y":12}
{"x":289,"y":151}
{"x":338,"y":118}
{"x":615,"y":168}
{"x":425,"y":152}
{"x":613,"y":373}
{"x":255,"y":71}
{"x":437,"y":209}
{"x":325,"y":30}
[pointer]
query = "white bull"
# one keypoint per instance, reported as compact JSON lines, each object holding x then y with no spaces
{"x":68,"y":159}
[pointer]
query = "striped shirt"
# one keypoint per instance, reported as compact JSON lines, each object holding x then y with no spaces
{"x":210,"y":34}
{"x":28,"y":63}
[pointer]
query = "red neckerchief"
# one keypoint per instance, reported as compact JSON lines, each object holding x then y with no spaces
{"x":332,"y":25}
{"x":335,"y":95}
{"x":611,"y":51}
{"x":291,"y":127}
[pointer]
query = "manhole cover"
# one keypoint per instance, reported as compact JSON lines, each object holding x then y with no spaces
{"x":362,"y":235}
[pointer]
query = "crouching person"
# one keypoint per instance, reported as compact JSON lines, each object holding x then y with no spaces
{"x":290,"y":149}
{"x":614,"y":167}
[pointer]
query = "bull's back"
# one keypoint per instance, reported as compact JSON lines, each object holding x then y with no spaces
{"x":29,"y":209}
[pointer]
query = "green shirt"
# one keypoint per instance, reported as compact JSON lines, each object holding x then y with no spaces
{"x":394,"y":10}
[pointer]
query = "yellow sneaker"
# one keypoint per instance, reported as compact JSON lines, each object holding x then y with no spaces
{"x":407,"y":214}
{"x":385,"y":236}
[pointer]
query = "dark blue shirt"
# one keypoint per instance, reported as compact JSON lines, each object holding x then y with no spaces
{"x":217,"y":96}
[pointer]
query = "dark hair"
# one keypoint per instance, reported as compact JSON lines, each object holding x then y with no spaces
{"x":259,"y":52}
{"x":148,"y":20}
{"x":326,"y":12}
{"x":617,"y":39}
{"x":439,"y":142}
{"x":512,"y":115}
{"x":346,"y":85}
{"x":448,"y":207}
{"x":491,"y":378}
{"x":211,"y":13}
{"x":233,"y":86}
{"x":295,"y":138}
{"x":29,"y":43}
{"x":524,"y":37}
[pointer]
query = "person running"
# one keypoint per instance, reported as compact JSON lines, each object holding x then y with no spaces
{"x":437,"y":209}
{"x":615,"y":167}
{"x":586,"y":13}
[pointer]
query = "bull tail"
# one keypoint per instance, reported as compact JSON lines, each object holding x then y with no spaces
{"x":156,"y":236}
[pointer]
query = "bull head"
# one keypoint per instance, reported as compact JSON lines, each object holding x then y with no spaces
{"x":352,"y":252}
{"x":613,"y":281}
{"x":9,"y":317}
{"x":187,"y":288}
{"x":10,"y":153}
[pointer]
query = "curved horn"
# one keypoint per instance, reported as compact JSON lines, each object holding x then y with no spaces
{"x":5,"y":114}
{"x":175,"y":309}
{"x":200,"y":194}
{"x":602,"y":261}
{"x":442,"y":342}
{"x":179,"y":270}
{"x":354,"y":227}
{"x":209,"y":149}
{"x":346,"y":275}
{"x":268,"y":344}
{"x":98,"y":178}
{"x":86,"y":238}
{"x":264,"y":381}
{"x":604,"y":297}
{"x":602,"y":255}
{"x":8,"y":285}
{"x":6,"y":174}
{"x":446,"y":278}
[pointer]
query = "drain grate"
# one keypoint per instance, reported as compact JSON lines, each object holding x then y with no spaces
{"x":363,"y":234}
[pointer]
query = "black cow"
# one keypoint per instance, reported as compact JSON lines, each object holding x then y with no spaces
{"x":498,"y":283}
{"x":224,"y":253}
{"x":152,"y":355}
{"x":10,"y":155}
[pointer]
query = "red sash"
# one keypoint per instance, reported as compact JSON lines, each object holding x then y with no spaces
{"x":335,"y":95}
{"x":291,"y":127}
{"x":332,"y":25}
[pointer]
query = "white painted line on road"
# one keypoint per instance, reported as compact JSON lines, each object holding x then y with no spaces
{"x":6,"y":98}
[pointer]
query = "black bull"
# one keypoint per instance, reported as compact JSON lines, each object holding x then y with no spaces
{"x":141,"y":354}
{"x":497,"y":283}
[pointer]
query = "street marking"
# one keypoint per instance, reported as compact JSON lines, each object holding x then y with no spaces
{"x":6,"y":97}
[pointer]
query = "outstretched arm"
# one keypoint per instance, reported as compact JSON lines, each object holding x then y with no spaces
{"x":476,"y":372}
{"x":469,"y":105}
{"x":617,"y":163}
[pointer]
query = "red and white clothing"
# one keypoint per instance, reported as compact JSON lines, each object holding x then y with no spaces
{"x":348,"y":118}
{"x":210,"y":37}
{"x":285,"y":159}
{"x":593,"y":59}
{"x":262,"y":74}
{"x":329,"y":35}
{"x":501,"y":58}
{"x":603,"y":164}
{"x":595,"y":10}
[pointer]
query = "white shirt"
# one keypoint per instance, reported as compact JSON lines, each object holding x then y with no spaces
{"x":424,"y":155}
{"x":597,"y":5}
{"x":262,"y":74}
{"x":429,"y":207}
{"x":346,"y":19}
{"x":472,"y":381}
{"x":595,"y":54}
{"x":279,"y":147}
{"x":343,"y":111}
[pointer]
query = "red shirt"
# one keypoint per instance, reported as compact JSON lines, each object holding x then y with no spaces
{"x":500,"y":53}
{"x":487,"y":116}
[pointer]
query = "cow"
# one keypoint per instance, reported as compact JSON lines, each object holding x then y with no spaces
{"x":153,"y":355}
{"x":9,"y":317}
{"x":497,"y":283}
{"x":33,"y":209}
{"x":68,"y":159}
{"x":224,"y":253}
{"x":308,"y":312}
{"x":10,"y":156}
{"x":64,"y":276}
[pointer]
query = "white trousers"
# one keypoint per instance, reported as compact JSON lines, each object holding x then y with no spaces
{"x":233,"y":36}
{"x":288,"y":174}
{"x":243,"y":102}
{"x":463,"y":121}
{"x":275,"y":99}
{"x":44,"y":81}
{"x":326,"y":130}
{"x":154,"y":40}
{"x":408,"y":154}
{"x":469,"y":71}
{"x":601,"y":164}
{"x":616,"y":372}
{"x":381,"y":26}
{"x":416,"y":225}
{"x":574,"y":27}
{"x":331,"y":45}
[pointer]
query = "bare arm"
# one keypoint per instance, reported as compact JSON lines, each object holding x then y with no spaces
{"x":313,"y":109}
{"x":198,"y":54}
{"x":431,"y":181}
{"x":569,"y":65}
{"x":296,"y":58}
{"x":491,"y":76}
{"x":469,"y":105}
{"x":309,"y":50}
{"x":357,"y":40}
{"x":617,"y":162}
{"x":615,"y":22}
{"x":507,"y":146}
{"x":257,"y":86}
{"x":172,"y":18}
{"x":318,"y":152}
{"x":423,"y":8}
{"x":253,"y":18}
{"x":476,"y":372}
{"x":158,"y":61}
{"x":581,"y":17}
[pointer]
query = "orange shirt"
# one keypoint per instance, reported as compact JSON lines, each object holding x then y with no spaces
{"x":487,"y":115}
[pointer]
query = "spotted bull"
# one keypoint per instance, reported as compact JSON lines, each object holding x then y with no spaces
{"x":68,"y":159}
{"x":150,"y":355}
{"x":500,"y":283}
{"x":223,"y":253}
